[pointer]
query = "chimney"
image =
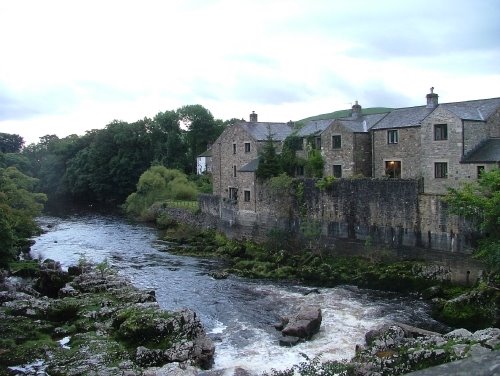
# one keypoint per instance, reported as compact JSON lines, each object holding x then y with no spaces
{"x":356,"y":110}
{"x":253,"y":116}
{"x":432,"y":99}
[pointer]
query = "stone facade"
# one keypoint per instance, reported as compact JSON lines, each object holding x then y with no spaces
{"x":235,"y":159}
{"x":406,"y":152}
{"x":353,"y":156}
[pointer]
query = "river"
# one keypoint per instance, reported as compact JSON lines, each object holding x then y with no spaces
{"x":238,"y":313}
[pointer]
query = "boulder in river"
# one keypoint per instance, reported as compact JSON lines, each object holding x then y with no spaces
{"x":304,"y":324}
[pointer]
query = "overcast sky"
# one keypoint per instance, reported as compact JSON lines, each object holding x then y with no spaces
{"x":71,"y":66}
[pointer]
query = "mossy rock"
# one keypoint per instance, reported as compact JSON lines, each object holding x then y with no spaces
{"x":63,"y":310}
{"x":473,"y":310}
{"x":22,"y":340}
{"x":145,"y":327}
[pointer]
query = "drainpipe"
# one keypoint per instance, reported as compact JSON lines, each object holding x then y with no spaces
{"x":373,"y":153}
{"x":463,"y":139}
{"x":220,"y":180}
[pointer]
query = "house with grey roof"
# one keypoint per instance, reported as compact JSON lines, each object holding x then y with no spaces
{"x":235,"y":158}
{"x":445,"y":144}
{"x":345,"y":143}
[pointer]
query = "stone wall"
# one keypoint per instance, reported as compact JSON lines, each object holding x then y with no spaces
{"x":392,"y":213}
{"x":355,"y":217}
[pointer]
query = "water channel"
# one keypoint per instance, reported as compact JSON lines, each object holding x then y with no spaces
{"x":238,"y":313}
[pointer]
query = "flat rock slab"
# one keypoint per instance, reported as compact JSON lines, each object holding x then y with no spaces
{"x":480,"y":365}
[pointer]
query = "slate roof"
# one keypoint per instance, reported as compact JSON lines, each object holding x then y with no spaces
{"x":260,"y":130}
{"x":250,"y":166}
{"x":361,"y":124}
{"x":487,"y":152}
{"x":314,"y":128}
{"x":207,"y":153}
{"x":404,"y":117}
{"x":479,"y":110}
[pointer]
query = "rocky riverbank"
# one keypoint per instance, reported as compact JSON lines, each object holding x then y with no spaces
{"x":91,"y":321}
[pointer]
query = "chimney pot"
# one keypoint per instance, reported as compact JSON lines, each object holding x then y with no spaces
{"x":253,"y":116}
{"x":432,"y":99}
{"x":356,"y":110}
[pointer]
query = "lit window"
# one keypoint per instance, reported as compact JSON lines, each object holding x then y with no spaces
{"x":392,"y":136}
{"x":247,"y":196}
{"x":337,"y":171}
{"x":336,"y":142}
{"x":393,"y":169}
{"x":247,"y":147}
{"x":440,"y":170}
{"x":440,"y":132}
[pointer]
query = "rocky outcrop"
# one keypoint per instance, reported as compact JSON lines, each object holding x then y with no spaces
{"x":398,"y":349}
{"x":301,"y":326}
{"x":108,"y":326}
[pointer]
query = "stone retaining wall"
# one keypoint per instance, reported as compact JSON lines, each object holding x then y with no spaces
{"x":353,"y":216}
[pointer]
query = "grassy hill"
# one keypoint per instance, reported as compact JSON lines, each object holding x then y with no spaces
{"x":341,"y":114}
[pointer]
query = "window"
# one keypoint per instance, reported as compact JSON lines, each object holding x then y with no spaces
{"x":318,"y":143}
{"x":393,"y":169}
{"x":336,"y":142}
{"x":247,"y":196}
{"x":233,"y":193}
{"x":300,"y":144}
{"x":392,"y":136}
{"x":480,"y":170}
{"x":234,"y":171}
{"x":234,"y":148}
{"x":247,"y":147}
{"x":337,"y":171}
{"x":440,"y":170}
{"x":440,"y":132}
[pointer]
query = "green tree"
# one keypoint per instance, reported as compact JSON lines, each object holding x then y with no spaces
{"x":159,"y":184}
{"x":202,"y":130}
{"x":107,"y":170}
{"x":269,"y":164}
{"x":18,"y":207}
{"x":11,"y":143}
{"x":314,"y":164}
{"x":288,"y":157}
{"x":168,"y":141}
{"x":479,"y":202}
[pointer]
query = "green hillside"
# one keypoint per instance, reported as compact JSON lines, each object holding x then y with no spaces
{"x":341,"y":114}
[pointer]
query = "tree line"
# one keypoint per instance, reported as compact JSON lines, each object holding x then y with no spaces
{"x":103,"y":166}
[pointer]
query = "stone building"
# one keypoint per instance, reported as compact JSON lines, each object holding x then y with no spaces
{"x":235,"y":158}
{"x":444,"y":144}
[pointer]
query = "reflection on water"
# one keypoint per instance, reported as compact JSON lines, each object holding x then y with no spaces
{"x":238,"y":313}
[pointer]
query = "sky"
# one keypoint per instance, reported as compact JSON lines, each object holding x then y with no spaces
{"x":71,"y":66}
